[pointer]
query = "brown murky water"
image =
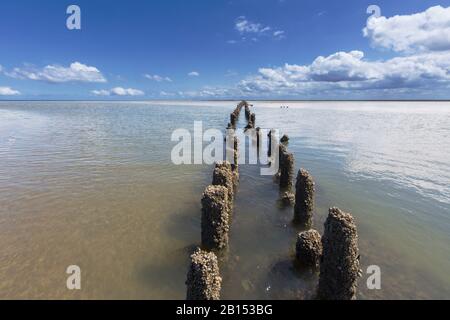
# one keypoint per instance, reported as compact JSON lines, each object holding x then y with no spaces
{"x":92,"y":184}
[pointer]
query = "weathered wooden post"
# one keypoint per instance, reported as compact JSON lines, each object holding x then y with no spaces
{"x":252,"y":120}
{"x":286,"y":162}
{"x":223,"y":176}
{"x":304,"y":198}
{"x":233,"y":119}
{"x":247,"y":112}
{"x":215,"y":218}
{"x":339,"y":269}
{"x":203,"y":278}
{"x":284,"y":139}
{"x":308,"y":249}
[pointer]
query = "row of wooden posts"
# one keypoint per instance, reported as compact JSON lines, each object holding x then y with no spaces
{"x":334,"y":254}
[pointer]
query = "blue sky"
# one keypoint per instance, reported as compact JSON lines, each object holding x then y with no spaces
{"x":203,"y":49}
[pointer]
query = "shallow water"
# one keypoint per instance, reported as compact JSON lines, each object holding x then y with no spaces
{"x":91,"y":184}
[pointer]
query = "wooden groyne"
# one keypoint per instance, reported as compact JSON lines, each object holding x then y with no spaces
{"x":203,"y":279}
{"x":334,"y":255}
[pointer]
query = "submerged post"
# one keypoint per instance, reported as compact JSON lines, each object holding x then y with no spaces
{"x":339,"y":269}
{"x":253,"y":120}
{"x":304,"y":198}
{"x":247,"y":112}
{"x":233,"y":119}
{"x":203,"y":278}
{"x":223,"y":176}
{"x":215,"y":217}
{"x":308,"y":249}
{"x":284,"y":139}
{"x":286,"y":160}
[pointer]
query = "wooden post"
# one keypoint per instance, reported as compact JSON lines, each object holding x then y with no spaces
{"x":339,"y":269}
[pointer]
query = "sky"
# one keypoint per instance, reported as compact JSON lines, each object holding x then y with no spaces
{"x":230,"y":49}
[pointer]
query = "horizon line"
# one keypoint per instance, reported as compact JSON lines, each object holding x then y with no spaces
{"x":225,"y":100}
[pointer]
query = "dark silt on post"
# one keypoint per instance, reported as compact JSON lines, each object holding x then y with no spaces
{"x":286,"y":161}
{"x":215,"y":218}
{"x":304,"y":198}
{"x":308,"y":249}
{"x":203,"y":278}
{"x":339,"y":268}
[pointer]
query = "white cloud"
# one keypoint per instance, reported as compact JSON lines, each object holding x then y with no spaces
{"x":349,"y":70}
{"x":157,"y":78}
{"x":421,"y":32}
{"x":423,"y":68}
{"x":278,"y":34}
{"x":118,"y":91}
{"x":422,"y":38}
{"x":76,"y":72}
{"x":7,"y":91}
{"x":207,"y":92}
{"x":193,"y":74}
{"x":101,"y":92}
{"x":246,"y":27}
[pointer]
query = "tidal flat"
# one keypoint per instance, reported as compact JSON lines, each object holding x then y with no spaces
{"x":92,"y":184}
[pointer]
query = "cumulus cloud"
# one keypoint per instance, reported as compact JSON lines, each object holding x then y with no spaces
{"x":76,"y":72}
{"x":157,"y":78}
{"x":349,"y":70}
{"x":8,"y":91}
{"x":118,"y":91}
{"x":421,"y":32}
{"x":245,"y":26}
{"x":193,"y":74}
